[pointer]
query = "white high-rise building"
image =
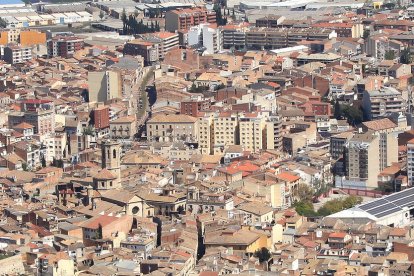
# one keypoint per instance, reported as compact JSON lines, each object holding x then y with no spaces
{"x":207,"y":36}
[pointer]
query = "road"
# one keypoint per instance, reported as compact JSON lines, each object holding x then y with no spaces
{"x":145,"y":99}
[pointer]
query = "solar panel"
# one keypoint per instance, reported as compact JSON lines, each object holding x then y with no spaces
{"x":388,"y":212}
{"x":399,"y":195}
{"x":404,"y":202}
{"x":373,"y":204}
{"x":381,"y":209}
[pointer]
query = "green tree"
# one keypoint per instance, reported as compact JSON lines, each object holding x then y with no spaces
{"x":262,"y":254}
{"x":337,"y":110}
{"x":351,"y":201}
{"x":337,"y":205}
{"x":43,"y":162}
{"x":389,"y":55}
{"x":124,"y":20}
{"x":99,"y":232}
{"x":305,"y":208}
{"x":221,"y":21}
{"x":366,"y":34}
{"x":3,"y":23}
{"x":405,"y":57}
{"x":353,"y":114}
{"x":25,"y":167}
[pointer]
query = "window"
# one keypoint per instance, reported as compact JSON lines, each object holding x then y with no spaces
{"x":114,"y":153}
{"x":135,"y":210}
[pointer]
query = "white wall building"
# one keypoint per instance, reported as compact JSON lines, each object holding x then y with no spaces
{"x":204,"y":35}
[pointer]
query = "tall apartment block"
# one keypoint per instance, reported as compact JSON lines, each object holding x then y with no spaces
{"x":274,"y":133}
{"x":104,"y":85}
{"x":410,"y":162}
{"x":362,"y":162}
{"x":64,"y":46}
{"x":179,"y":20}
{"x":251,"y":130}
{"x":17,"y":54}
{"x":206,"y":134}
{"x":166,"y":41}
{"x":226,"y":131}
{"x":382,"y":102}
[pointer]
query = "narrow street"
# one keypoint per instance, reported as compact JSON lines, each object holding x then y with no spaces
{"x":145,"y":99}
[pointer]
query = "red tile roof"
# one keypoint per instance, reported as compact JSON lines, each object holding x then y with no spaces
{"x":288,"y":177}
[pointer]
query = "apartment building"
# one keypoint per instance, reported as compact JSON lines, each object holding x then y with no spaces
{"x":362,"y":162}
{"x":104,"y":85}
{"x":337,"y":144}
{"x":206,"y":134}
{"x":36,"y":112}
{"x":273,"y":133}
{"x":23,"y":37}
{"x":387,"y":131}
{"x":14,"y":54}
{"x":64,"y":46}
{"x":270,"y":21}
{"x":139,"y":47}
{"x":382,"y":102}
{"x":183,"y":19}
{"x":251,"y":131}
{"x":170,"y":41}
{"x":234,"y":36}
{"x":55,"y":146}
{"x":271,"y":38}
{"x":194,"y":107}
{"x":354,"y":30}
{"x":410,"y":162}
{"x":123,"y":128}
{"x":207,"y":36}
{"x":172,"y":127}
{"x":100,"y":117}
{"x":226,"y":131}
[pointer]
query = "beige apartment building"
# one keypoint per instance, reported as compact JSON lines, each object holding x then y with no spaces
{"x":251,"y":129}
{"x":169,"y":41}
{"x":123,"y":128}
{"x":206,"y":134}
{"x":225,"y":131}
{"x":104,"y":85}
{"x":172,"y":127}
{"x":362,"y":160}
{"x":273,"y":137}
{"x":387,"y":132}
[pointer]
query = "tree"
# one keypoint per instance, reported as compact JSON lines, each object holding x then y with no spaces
{"x":262,"y":254}
{"x":351,"y":201}
{"x":43,"y":162}
{"x":353,"y":114}
{"x":389,"y":55}
{"x":25,"y":167}
{"x":124,"y":21}
{"x":305,"y":208}
{"x":304,"y":193}
{"x":405,"y":57}
{"x":221,"y":21}
{"x":337,"y":110}
{"x":99,"y":232}
{"x":180,"y":209}
{"x":337,"y":205}
{"x":85,"y":95}
{"x":101,"y":15}
{"x":366,"y":34}
{"x":3,"y":23}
